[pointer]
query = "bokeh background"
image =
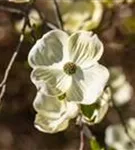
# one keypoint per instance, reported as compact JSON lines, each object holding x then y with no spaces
{"x":17,"y":132}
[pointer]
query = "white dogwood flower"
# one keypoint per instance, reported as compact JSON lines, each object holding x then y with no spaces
{"x":116,"y":137}
{"x":85,"y":15}
{"x":69,"y":64}
{"x":122,"y":91}
{"x":53,"y":115}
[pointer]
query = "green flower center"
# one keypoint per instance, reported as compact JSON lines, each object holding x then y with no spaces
{"x":69,"y":68}
{"x":62,"y":96}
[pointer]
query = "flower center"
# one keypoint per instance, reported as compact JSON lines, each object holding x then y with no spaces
{"x":62,"y":96}
{"x":69,"y":68}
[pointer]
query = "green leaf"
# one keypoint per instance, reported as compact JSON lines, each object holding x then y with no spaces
{"x":94,"y":145}
{"x":88,"y":110}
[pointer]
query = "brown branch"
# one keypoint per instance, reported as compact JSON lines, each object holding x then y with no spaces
{"x":81,"y":147}
{"x":58,"y":15}
{"x":2,"y":91}
{"x":6,"y":74}
{"x":12,"y":10}
{"x":84,"y":132}
{"x":12,"y":60}
{"x":123,"y":122}
{"x":80,"y":124}
{"x":50,"y":25}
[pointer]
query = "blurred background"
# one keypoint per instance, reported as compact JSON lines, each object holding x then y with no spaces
{"x":113,"y":21}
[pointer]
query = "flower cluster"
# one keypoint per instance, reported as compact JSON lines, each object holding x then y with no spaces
{"x":84,"y":15}
{"x":68,"y":78}
{"x":121,"y":89}
{"x":117,"y":138}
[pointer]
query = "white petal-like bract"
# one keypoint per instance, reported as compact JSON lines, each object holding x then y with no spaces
{"x":117,"y":138}
{"x":53,"y":115}
{"x":88,"y":84}
{"x":48,"y":50}
{"x":54,"y":78}
{"x":84,"y":48}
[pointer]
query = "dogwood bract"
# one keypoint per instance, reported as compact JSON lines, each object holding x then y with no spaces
{"x":53,"y":115}
{"x":93,"y":114}
{"x":116,"y":137}
{"x":69,"y":64}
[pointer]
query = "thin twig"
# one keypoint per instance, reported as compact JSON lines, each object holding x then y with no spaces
{"x":58,"y":15}
{"x":12,"y":10}
{"x":84,"y":132}
{"x":51,"y":26}
{"x":123,"y":122}
{"x":45,"y":21}
{"x":12,"y":60}
{"x":80,"y":124}
{"x":81,"y":147}
{"x":2,"y":91}
{"x":21,"y":38}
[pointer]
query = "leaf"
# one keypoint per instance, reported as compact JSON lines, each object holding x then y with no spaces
{"x":88,"y":110}
{"x":94,"y":113}
{"x":94,"y":145}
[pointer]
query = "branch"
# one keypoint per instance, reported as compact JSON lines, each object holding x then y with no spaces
{"x":81,"y":147}
{"x":45,"y":21}
{"x":6,"y":74}
{"x":84,"y":132}
{"x":12,"y":10}
{"x":51,"y":26}
{"x":2,"y":92}
{"x":58,"y":15}
{"x":123,"y":122}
